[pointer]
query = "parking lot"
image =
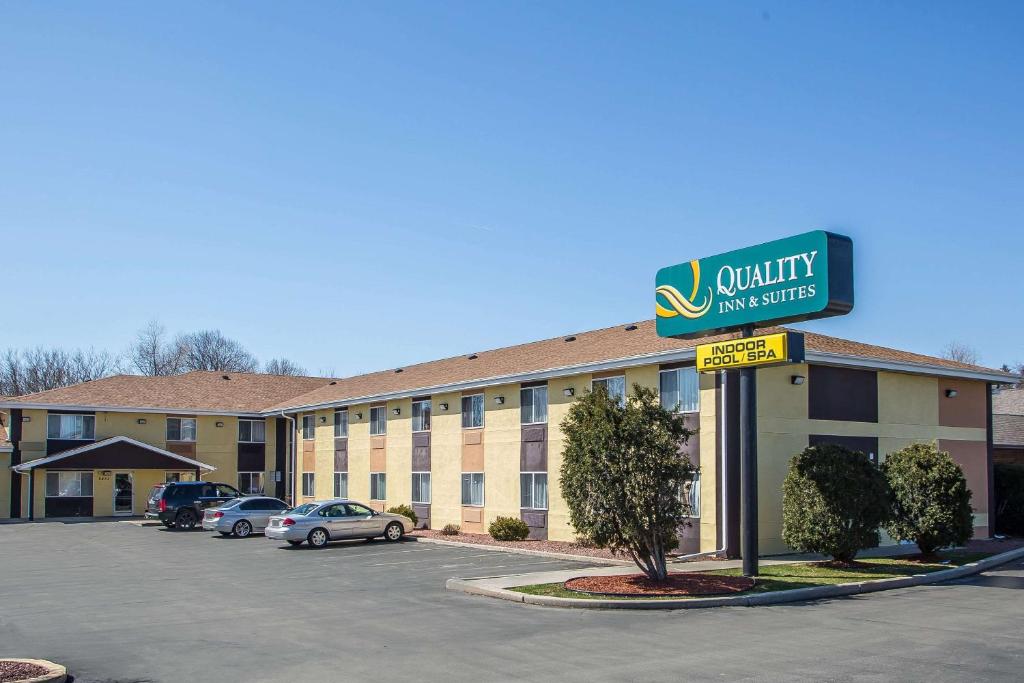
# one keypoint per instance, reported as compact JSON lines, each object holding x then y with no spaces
{"x":116,"y":601}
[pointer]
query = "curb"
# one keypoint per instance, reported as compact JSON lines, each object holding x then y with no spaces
{"x":56,"y":673}
{"x":772,"y":598}
{"x":524,"y":551}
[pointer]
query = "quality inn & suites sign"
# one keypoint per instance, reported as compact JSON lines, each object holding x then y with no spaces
{"x":796,"y":278}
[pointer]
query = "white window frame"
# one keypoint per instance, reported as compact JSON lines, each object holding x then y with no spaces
{"x":312,"y":424}
{"x":678,"y":408}
{"x":483,"y":410}
{"x":251,"y":430}
{"x":532,"y":475}
{"x":483,"y":488}
{"x":342,"y":423}
{"x":338,"y":494}
{"x":81,"y":476}
{"x":382,"y":477}
{"x":373,"y":422}
{"x":181,"y":422}
{"x":420,"y":416}
{"x":533,"y":404}
{"x":429,"y":489}
{"x":80,"y":418}
{"x":604,"y":380}
{"x":250,"y":475}
{"x":309,"y":484}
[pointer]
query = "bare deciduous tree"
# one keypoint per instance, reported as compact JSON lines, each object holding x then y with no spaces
{"x":39,"y":369}
{"x":960,"y":352}
{"x":152,"y":355}
{"x":211,"y":350}
{"x":283,"y":366}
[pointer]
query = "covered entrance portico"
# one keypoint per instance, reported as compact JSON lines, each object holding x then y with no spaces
{"x":106,"y":478}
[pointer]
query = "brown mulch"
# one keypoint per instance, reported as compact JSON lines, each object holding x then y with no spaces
{"x":19,"y":671}
{"x":675,"y":584}
{"x":544,"y":546}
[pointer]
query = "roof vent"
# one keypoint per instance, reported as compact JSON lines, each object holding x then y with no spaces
{"x":398,"y":370}
{"x":472,"y":356}
{"x":224,"y":377}
{"x":569,"y":339}
{"x":630,"y":328}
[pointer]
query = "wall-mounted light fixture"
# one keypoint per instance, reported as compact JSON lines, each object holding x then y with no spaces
{"x":951,"y":393}
{"x":396,"y":411}
{"x":323,"y":419}
{"x":499,"y":400}
{"x":797,"y":379}
{"x":569,"y":391}
{"x":26,"y":418}
{"x":141,"y":421}
{"x":444,"y":406}
{"x":220,"y":424}
{"x":359,"y":416}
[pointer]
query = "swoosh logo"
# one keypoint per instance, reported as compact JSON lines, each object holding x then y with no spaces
{"x":678,"y":304}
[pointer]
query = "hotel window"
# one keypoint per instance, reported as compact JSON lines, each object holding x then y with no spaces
{"x":690,"y":495}
{"x":340,"y":424}
{"x":308,"y":484}
{"x":473,"y":411}
{"x":252,"y":431}
{"x":533,"y":490}
{"x":71,"y":427}
{"x":378,"y":486}
{"x":421,"y":487}
{"x":680,"y":390}
{"x":615,"y":386}
{"x":250,"y":482}
{"x":308,"y":427}
{"x":341,"y":484}
{"x":174,"y":477}
{"x":181,"y":429}
{"x":378,"y":420}
{"x":421,"y":416}
{"x":473,"y":488}
{"x":533,"y":403}
{"x":69,"y":484}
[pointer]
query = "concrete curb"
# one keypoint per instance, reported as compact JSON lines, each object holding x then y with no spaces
{"x":56,"y":673}
{"x":773,"y":598}
{"x":522,"y":551}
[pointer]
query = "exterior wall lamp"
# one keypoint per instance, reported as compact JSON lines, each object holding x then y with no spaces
{"x":951,"y":393}
{"x":141,"y":421}
{"x":797,"y":379}
{"x":396,"y":411}
{"x":359,"y":416}
{"x":444,"y":406}
{"x":323,"y":419}
{"x":26,"y":418}
{"x":499,"y":400}
{"x":220,"y":424}
{"x":569,"y":391}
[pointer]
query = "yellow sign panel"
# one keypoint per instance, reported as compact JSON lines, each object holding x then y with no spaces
{"x":785,"y":347}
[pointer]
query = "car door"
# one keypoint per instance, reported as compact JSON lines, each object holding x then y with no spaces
{"x":365,"y":522}
{"x":262,"y":509}
{"x":336,"y":519}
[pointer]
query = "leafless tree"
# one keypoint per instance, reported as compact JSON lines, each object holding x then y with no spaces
{"x":151,"y":354}
{"x":283,"y":366}
{"x":211,"y":350}
{"x":960,"y":352}
{"x":39,"y":369}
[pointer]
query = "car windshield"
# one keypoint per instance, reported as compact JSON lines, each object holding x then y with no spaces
{"x":303,"y":509}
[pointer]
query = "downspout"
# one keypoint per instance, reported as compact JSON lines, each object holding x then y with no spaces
{"x":291,"y":458}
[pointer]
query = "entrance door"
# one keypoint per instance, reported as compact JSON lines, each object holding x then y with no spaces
{"x":124,"y":497}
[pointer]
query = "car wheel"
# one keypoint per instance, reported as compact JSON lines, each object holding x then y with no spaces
{"x":318,"y":538}
{"x":186,"y":519}
{"x":242,"y":528}
{"x":294,"y":542}
{"x":394,"y":532}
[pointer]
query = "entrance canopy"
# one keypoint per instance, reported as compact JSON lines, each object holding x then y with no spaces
{"x":117,"y":452}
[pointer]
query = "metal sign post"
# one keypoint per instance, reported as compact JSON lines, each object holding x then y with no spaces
{"x":748,"y":464}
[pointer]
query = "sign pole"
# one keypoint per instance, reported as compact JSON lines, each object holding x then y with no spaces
{"x":748,"y":464}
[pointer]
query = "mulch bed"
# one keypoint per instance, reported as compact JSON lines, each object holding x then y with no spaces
{"x":19,"y":671}
{"x":544,"y":546}
{"x":639,"y":585}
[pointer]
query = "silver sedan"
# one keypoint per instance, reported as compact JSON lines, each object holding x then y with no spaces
{"x":335,"y":520}
{"x":242,"y":517}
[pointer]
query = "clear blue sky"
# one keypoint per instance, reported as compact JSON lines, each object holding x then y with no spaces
{"x":363,"y":185}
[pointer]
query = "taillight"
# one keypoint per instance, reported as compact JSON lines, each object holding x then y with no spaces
{"x":163,"y":505}
{"x":218,"y":514}
{"x":288,"y":521}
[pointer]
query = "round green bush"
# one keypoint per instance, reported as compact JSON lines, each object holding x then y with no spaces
{"x":508,"y":529}
{"x":931,"y":501}
{"x":405,"y":511}
{"x":450,"y":530}
{"x":833,"y":502}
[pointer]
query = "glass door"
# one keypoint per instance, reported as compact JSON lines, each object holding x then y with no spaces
{"x":124,"y":497}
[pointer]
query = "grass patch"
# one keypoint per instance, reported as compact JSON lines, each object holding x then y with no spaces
{"x":780,"y":577}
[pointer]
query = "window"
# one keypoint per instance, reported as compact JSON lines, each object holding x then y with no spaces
{"x":533,"y":490}
{"x":252,"y":431}
{"x":72,"y":427}
{"x":378,"y":486}
{"x":472,"y":411}
{"x":357,"y":510}
{"x":690,"y":495}
{"x":250,"y":482}
{"x":341,"y":484}
{"x":421,"y":416}
{"x":170,"y":477}
{"x":308,"y":427}
{"x":69,"y":484}
{"x":181,"y":429}
{"x":308,"y":484}
{"x":473,"y":488}
{"x":378,"y":420}
{"x":336,"y":510}
{"x":680,"y":390}
{"x":421,"y":487}
{"x":340,"y":423}
{"x":533,"y":405}
{"x":615,"y":386}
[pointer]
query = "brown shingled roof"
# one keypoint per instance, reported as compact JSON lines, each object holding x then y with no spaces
{"x":206,"y":391}
{"x":607,"y":344}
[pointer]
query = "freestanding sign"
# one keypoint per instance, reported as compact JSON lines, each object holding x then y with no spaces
{"x":796,"y":278}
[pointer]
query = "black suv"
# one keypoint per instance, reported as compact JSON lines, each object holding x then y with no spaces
{"x":180,"y":505}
